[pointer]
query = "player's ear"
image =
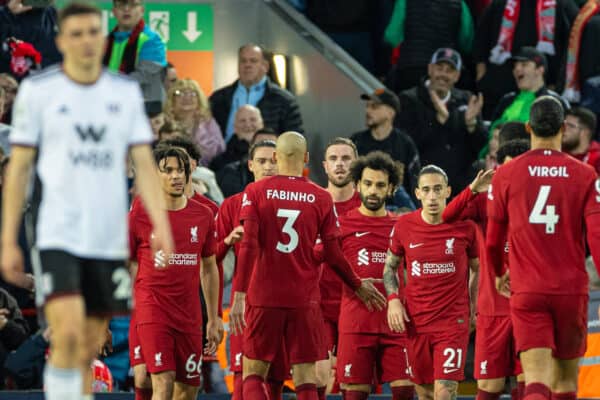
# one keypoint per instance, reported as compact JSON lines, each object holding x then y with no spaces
{"x":528,"y":129}
{"x":448,"y":191}
{"x":306,"y":157}
{"x":250,"y":165}
{"x":417,"y":193}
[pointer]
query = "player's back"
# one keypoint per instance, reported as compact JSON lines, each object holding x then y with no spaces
{"x":545,"y":195}
{"x":291,"y":213}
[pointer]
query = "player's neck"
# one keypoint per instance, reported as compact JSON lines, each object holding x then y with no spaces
{"x":289,"y":169}
{"x":339,"y":194}
{"x":370,"y":213}
{"x":551,"y":143}
{"x":85,"y":76}
{"x":435,"y":219}
{"x":189,"y":190}
{"x":174,"y":203}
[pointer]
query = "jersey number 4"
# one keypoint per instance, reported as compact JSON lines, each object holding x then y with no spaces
{"x":537,"y":216}
{"x":288,"y":228}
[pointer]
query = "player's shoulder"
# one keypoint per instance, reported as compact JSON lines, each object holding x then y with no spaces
{"x":45,"y":75}
{"x":232,"y":200}
{"x":410,"y":218}
{"x":464,"y":225}
{"x":118,"y":78}
{"x":194,"y":207}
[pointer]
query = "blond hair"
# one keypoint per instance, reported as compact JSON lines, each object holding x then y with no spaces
{"x":202,"y":113}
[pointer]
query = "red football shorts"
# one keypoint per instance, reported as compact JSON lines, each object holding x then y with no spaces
{"x":495,"y":352}
{"x":279,"y":369}
{"x":438,"y":355}
{"x":236,"y":353}
{"x":166,"y":349}
{"x":298,"y":328}
{"x":135,"y":349}
{"x":330,"y":336}
{"x":557,"y":322}
{"x":365,"y":356}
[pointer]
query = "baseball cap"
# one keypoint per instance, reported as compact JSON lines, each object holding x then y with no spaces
{"x":383,"y":96}
{"x":446,"y":54}
{"x":528,"y":53}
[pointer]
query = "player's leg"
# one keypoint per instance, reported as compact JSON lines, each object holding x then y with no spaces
{"x":141,"y":379}
{"x":421,"y":361}
{"x":188,"y":361}
{"x":424,"y":391}
{"x":445,"y":389}
{"x":58,"y":282}
{"x":564,"y":386}
{"x":181,"y":391}
{"x":158,"y":349}
{"x":393,"y":367}
{"x":357,"y":354}
{"x":325,"y":366}
{"x":95,"y":336}
{"x":538,"y":366}
{"x":163,"y":385}
{"x":279,"y":372}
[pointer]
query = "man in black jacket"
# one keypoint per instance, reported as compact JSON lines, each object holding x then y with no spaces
{"x":444,"y":121}
{"x":382,"y":107}
{"x":13,"y":327}
{"x":278,"y":107}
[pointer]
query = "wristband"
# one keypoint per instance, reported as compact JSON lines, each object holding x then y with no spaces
{"x":393,"y":296}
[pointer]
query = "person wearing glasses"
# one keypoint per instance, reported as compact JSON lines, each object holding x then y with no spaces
{"x":187,"y":104}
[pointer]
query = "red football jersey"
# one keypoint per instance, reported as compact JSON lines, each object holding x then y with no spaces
{"x":466,"y":206}
{"x":171,"y":295}
{"x":227,"y":219}
{"x":544,"y":196}
{"x":436,"y":258}
{"x":205,"y":201}
{"x":291,"y":212}
{"x":330,"y":284}
{"x":365,"y":243}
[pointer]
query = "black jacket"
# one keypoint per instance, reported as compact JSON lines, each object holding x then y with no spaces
{"x":508,"y":98}
{"x":278,"y":107}
{"x":234,"y":177}
{"x":399,"y":146}
{"x":449,"y":146}
{"x":237,"y":149}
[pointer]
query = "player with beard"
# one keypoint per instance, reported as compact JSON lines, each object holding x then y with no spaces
{"x":368,"y":349}
{"x":339,"y":154}
{"x":168,"y":311}
{"x":580,"y":128}
{"x":434,"y":304}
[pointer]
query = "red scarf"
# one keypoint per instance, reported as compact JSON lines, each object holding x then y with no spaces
{"x":545,"y":23}
{"x":129,"y":56}
{"x":573,"y":85}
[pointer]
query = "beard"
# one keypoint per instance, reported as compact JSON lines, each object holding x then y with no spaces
{"x":377,"y":205}
{"x":569,"y":145}
{"x":340,"y":183}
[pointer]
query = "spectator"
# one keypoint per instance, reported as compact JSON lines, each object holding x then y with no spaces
{"x":582,"y":56}
{"x":508,"y":25}
{"x":136,"y":50}
{"x":382,"y":107}
{"x":449,"y":25}
{"x":513,"y":130}
{"x":580,"y":126}
{"x":170,"y":129}
{"x":13,"y":327}
{"x":247,"y":121}
{"x":33,"y":25}
{"x":444,"y":121}
{"x":529,"y":67}
{"x":187,"y":104}
{"x":170,"y":76}
{"x":234,"y":177}
{"x":10,"y":86}
{"x":278,"y":107}
{"x":25,"y":366}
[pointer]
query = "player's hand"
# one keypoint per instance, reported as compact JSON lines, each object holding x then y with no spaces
{"x":235,"y":236}
{"x":482,"y":181}
{"x":369,"y":295}
{"x":17,"y":7}
{"x":503,"y":285}
{"x":162,"y":240}
{"x":236,"y":315}
{"x":12,"y":264}
{"x":397,"y":316}
{"x":214,"y":335}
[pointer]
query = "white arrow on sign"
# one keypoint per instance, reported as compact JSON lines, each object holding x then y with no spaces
{"x":192,"y":33}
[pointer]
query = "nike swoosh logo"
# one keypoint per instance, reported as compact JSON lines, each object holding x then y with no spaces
{"x":361,"y":234}
{"x":191,"y":376}
{"x":449,"y":371}
{"x":413,"y":246}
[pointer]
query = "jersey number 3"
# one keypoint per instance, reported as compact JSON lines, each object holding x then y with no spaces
{"x":537,"y":216}
{"x":288,"y":228}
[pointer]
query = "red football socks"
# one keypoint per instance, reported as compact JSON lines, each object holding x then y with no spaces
{"x":355,"y":395}
{"x":321,"y":392}
{"x":520,"y":390}
{"x":483,"y":395}
{"x":537,"y":391}
{"x":143,"y":394}
{"x":307,"y":391}
{"x":403,"y":392}
{"x":275,"y":389}
{"x":564,"y":396}
{"x":238,"y":384}
{"x":254,"y":388}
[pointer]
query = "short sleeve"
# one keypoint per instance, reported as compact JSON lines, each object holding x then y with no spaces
{"x":396,"y":246}
{"x":133,"y":238}
{"x":592,"y":201}
{"x":249,"y":208}
{"x":210,"y":244}
{"x":329,"y":225}
{"x":472,"y":246}
{"x":140,"y":131}
{"x":27,"y":127}
{"x":496,"y":199}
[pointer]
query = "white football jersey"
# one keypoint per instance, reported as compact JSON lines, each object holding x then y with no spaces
{"x":82,"y":134}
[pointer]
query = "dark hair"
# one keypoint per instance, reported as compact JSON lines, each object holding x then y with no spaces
{"x":512,"y":130}
{"x":263,"y":131}
{"x":77,"y":8}
{"x":162,"y":152}
{"x":185,"y":143}
{"x":546,"y":116}
{"x":378,"y":161}
{"x":512,"y":149}
{"x":341,"y":140}
{"x":432,"y":169}
{"x":585,"y":116}
{"x":262,"y":143}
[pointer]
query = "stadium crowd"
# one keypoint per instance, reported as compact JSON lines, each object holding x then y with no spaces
{"x":482,"y":83}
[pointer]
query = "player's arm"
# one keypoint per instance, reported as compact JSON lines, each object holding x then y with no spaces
{"x":456,"y":209}
{"x":473,"y":287}
{"x":494,"y":251}
{"x":227,"y":234}
{"x":396,"y":314}
{"x":209,"y":278}
{"x":17,"y":177}
{"x":149,"y":188}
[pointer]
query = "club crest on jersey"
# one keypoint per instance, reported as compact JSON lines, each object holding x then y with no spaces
{"x":158,"y":359}
{"x":347,"y":369}
{"x":483,"y":367}
{"x":245,"y":201}
{"x":450,"y":246}
{"x":194,"y":234}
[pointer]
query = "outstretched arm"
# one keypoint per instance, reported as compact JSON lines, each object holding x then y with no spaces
{"x":396,"y":315}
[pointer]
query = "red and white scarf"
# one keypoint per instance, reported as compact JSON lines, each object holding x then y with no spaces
{"x":545,"y":23}
{"x":573,"y":85}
